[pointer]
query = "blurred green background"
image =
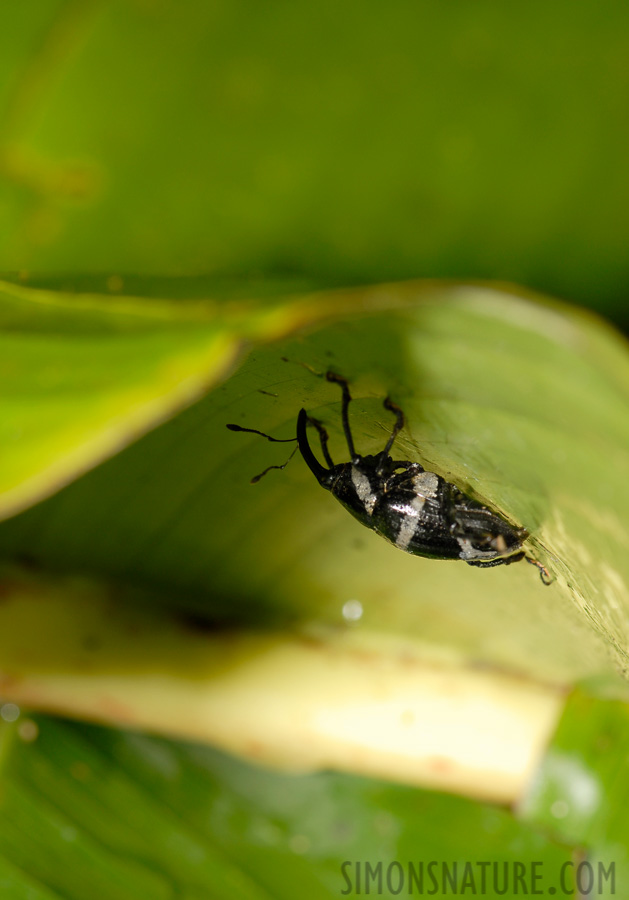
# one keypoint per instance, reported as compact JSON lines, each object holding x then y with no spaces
{"x":318,"y":143}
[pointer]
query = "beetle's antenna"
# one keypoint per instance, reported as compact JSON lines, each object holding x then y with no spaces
{"x":257,"y":478}
{"x":399,"y":424}
{"x":338,"y":379}
{"x":262,"y":434}
{"x":544,"y":574}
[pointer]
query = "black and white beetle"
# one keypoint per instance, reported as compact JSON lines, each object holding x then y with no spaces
{"x":417,"y":511}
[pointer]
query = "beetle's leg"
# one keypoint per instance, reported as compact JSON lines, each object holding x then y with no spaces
{"x":403,"y":478}
{"x":338,"y":379}
{"x":501,"y":561}
{"x":472,"y":520}
{"x":468,"y":518}
{"x":399,"y":422}
{"x":544,"y":574}
{"x":323,"y":434}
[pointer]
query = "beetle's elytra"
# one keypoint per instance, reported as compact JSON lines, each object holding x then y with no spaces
{"x":415,"y":510}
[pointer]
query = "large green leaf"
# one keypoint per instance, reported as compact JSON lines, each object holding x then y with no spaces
{"x":114,"y":815}
{"x":82,"y":376}
{"x":582,"y":787}
{"x":515,"y":401}
{"x":348,"y":144}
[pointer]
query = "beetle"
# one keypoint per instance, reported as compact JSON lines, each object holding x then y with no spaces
{"x":415,"y":510}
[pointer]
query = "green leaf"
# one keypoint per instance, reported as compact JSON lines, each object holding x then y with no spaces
{"x":442,"y":142}
{"x":81,"y":376}
{"x":481,"y":375}
{"x":516,"y":401}
{"x":582,"y":787}
{"x":134,"y":816}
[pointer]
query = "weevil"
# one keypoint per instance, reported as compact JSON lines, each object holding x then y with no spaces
{"x":415,"y":510}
